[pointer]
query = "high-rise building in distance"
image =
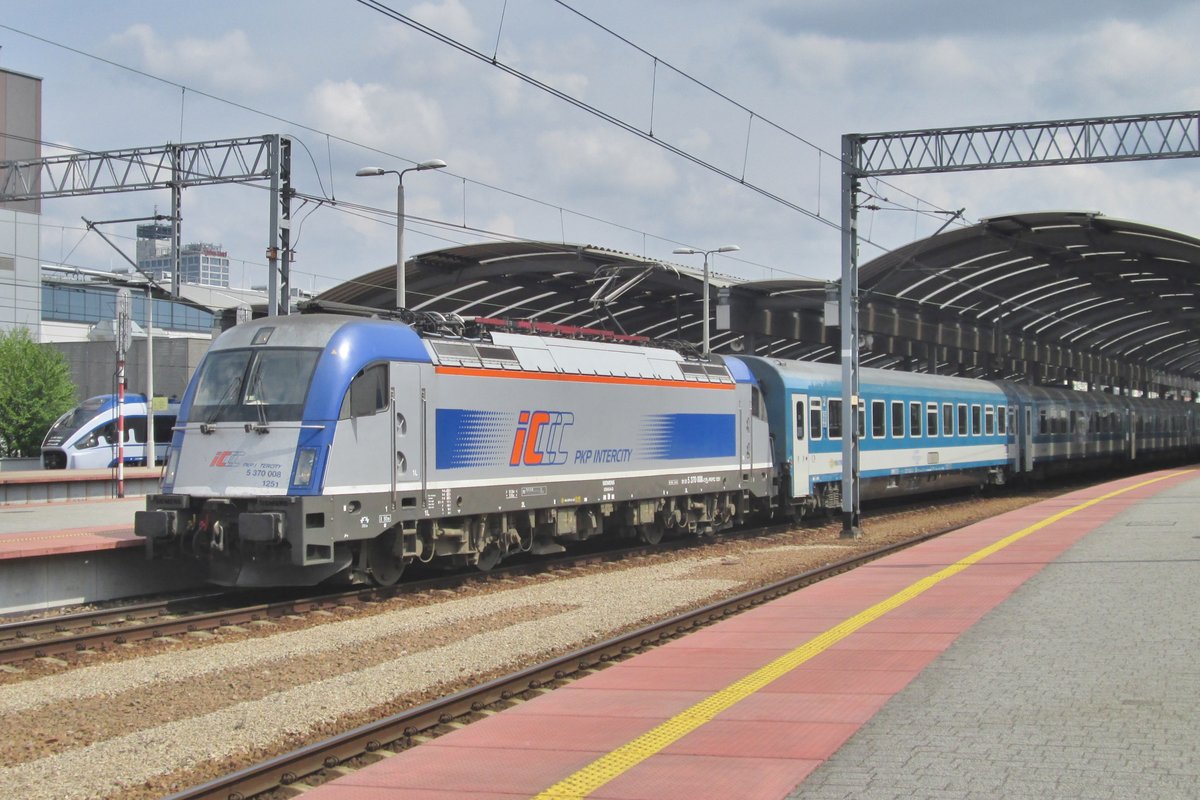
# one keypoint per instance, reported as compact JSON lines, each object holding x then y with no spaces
{"x":200,"y":262}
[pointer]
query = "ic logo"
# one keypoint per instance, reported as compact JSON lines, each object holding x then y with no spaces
{"x":538,"y":440}
{"x":226,"y":458}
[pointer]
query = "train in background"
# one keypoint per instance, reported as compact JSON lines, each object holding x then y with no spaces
{"x":86,"y":436}
{"x":324,"y":446}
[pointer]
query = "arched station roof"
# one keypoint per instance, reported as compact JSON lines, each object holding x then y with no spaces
{"x":1045,"y":297}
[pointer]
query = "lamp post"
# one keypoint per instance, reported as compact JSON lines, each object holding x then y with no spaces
{"x":689,"y":251}
{"x":435,"y":163}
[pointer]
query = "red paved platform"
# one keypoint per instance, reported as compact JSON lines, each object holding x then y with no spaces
{"x":73,"y":540}
{"x":846,"y":646}
{"x":77,"y":526}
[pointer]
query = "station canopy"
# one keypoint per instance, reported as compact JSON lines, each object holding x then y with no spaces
{"x":1055,"y":298}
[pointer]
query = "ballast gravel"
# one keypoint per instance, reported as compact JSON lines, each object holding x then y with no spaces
{"x":183,"y":716}
{"x":619,"y":598}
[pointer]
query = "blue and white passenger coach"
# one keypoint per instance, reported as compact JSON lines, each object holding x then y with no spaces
{"x":916,"y":432}
{"x":313,"y":445}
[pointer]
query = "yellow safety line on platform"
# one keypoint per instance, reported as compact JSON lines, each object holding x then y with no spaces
{"x":70,"y":535}
{"x":624,"y":758}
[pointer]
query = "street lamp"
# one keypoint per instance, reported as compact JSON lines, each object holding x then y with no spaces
{"x":689,"y":251}
{"x":434,"y":163}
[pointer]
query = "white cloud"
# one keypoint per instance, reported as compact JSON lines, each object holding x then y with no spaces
{"x":227,"y":62}
{"x":400,"y":121}
{"x":501,"y":223}
{"x":604,"y":159}
{"x":449,"y":17}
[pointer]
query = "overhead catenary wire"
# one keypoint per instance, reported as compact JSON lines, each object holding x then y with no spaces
{"x":332,"y":137}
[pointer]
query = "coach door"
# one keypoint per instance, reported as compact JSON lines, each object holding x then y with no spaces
{"x":1131,"y":425}
{"x":1025,"y":438}
{"x":408,"y":433}
{"x":800,"y":437}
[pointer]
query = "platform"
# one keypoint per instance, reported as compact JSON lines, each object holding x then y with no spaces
{"x":54,"y":485}
{"x":1047,"y":652}
{"x":66,"y":553}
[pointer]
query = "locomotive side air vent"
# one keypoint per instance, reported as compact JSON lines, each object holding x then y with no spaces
{"x":717,"y":372}
{"x":460,"y":353}
{"x":496,"y":356}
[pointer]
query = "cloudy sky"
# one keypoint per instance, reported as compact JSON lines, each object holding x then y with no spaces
{"x":758,"y":88}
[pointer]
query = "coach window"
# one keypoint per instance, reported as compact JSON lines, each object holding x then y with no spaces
{"x":1001,"y":420}
{"x":914,"y":419}
{"x":799,"y":422}
{"x":976,"y":420}
{"x":947,"y":419}
{"x":962,"y":419}
{"x":989,"y":420}
{"x":878,"y":419}
{"x":368,"y":393}
{"x":862,"y":418}
{"x":814,"y":418}
{"x":931,"y":419}
{"x":835,"y":418}
{"x":897,"y":419}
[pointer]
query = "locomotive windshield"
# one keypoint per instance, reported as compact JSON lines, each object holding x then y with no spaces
{"x":259,"y":385}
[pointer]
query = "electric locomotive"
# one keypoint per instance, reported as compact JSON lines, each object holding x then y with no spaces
{"x":317,"y":445}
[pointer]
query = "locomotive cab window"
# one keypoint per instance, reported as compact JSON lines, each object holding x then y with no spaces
{"x":756,"y":404}
{"x":368,"y":393}
{"x":267,"y":384}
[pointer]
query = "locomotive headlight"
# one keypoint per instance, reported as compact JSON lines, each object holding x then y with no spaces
{"x":305,"y":460}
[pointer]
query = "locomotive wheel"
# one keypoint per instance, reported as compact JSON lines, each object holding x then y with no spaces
{"x":489,"y":558}
{"x":650,"y":533}
{"x":382,"y":563}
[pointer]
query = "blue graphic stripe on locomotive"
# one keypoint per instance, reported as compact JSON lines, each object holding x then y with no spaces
{"x":678,"y":436}
{"x":467,"y":438}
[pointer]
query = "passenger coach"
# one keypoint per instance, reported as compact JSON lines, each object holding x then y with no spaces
{"x":916,"y":432}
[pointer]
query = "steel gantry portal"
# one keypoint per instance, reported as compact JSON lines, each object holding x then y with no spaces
{"x":1029,"y":144}
{"x":174,"y":167}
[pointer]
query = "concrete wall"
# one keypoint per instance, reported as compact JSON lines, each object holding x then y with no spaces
{"x":94,"y":365}
{"x":21,"y":122}
{"x":20,"y":275}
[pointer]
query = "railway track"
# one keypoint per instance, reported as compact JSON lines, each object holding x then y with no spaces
{"x":336,"y":756}
{"x":103,"y":629}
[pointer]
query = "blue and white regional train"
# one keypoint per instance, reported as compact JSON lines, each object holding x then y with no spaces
{"x":86,"y":436}
{"x":318,"y":446}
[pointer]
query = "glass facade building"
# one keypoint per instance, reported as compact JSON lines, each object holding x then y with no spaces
{"x":64,"y":302}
